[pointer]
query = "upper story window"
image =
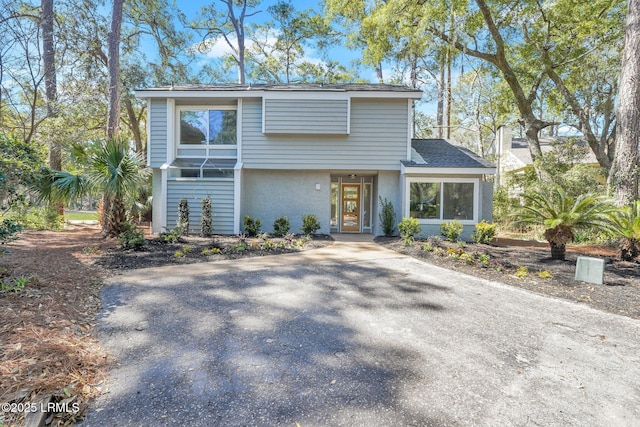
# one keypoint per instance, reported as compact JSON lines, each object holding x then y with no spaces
{"x":208,"y":126}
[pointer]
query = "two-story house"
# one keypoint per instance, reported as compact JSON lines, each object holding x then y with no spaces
{"x":329,"y":150}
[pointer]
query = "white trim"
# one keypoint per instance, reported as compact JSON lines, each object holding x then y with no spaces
{"x":264,"y":115}
{"x":406,"y":211}
{"x":418,"y":170}
{"x":171,"y":142}
{"x":178,"y":178}
{"x":237,"y":193}
{"x":349,"y":116}
{"x":240,"y":113}
{"x":148,"y":130}
{"x":164,"y":188}
{"x":206,"y":147}
{"x":410,"y":119}
{"x":320,"y":93}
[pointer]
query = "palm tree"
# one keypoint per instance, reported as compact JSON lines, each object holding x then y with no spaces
{"x":113,"y":170}
{"x":562,"y":216}
{"x":627,"y":225}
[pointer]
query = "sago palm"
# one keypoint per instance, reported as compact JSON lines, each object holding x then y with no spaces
{"x":112,"y":170}
{"x":562,"y":216}
{"x":627,"y":226}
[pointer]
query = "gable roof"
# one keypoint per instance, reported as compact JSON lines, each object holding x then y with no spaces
{"x":355,"y":89}
{"x":438,"y":153}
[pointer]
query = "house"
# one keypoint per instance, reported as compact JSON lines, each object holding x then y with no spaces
{"x":514,"y":156}
{"x":329,"y":150}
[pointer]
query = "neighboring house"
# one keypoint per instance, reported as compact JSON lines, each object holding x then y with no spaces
{"x":329,"y":150}
{"x":514,"y":155}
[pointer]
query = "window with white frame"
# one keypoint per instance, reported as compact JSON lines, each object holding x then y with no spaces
{"x":208,"y":126}
{"x":441,"y":199}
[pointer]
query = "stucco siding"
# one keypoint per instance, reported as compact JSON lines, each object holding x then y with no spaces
{"x":268,"y":195}
{"x":221,"y":194}
{"x":288,"y":116}
{"x":388,"y":187}
{"x":157,"y":150}
{"x":378,"y":140}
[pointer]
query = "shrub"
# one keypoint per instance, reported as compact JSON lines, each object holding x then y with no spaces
{"x":183,"y":215}
{"x":211,"y":251}
{"x":562,"y":216}
{"x":251,"y":226}
{"x":171,"y":236}
{"x":132,"y":238}
{"x":522,"y":272}
{"x":8,"y":230}
{"x":451,"y":230}
{"x":544,"y":274}
{"x":435,"y":241}
{"x":408,"y":228}
{"x":387,"y":216}
{"x":484,"y":232}
{"x":627,"y":227}
{"x":206,"y":227}
{"x":310,"y":224}
{"x":281,"y":226}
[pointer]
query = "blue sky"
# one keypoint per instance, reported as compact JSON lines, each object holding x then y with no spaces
{"x":339,"y":53}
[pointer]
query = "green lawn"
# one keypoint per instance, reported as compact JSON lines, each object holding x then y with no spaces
{"x":80,"y":216}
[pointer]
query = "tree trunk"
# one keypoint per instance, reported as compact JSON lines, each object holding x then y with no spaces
{"x":49,"y":63}
{"x":440,"y":108}
{"x":113,"y":120}
{"x":134,"y":125}
{"x":623,"y":177}
{"x":558,"y":251}
{"x":448,"y":93}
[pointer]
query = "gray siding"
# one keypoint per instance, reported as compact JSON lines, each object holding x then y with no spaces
{"x":378,"y":140}
{"x":157,"y":150}
{"x":221,"y":194}
{"x":306,"y":116}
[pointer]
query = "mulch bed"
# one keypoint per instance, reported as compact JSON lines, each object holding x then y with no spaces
{"x":620,"y":294}
{"x":190,"y":250}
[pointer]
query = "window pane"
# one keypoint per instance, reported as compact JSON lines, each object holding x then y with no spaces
{"x":457,"y":201}
{"x":217,"y":173}
{"x":222,"y":127}
{"x":424,"y":200}
{"x":366,"y":214}
{"x":193,"y":127}
{"x":334,"y":204}
{"x":190,"y":173}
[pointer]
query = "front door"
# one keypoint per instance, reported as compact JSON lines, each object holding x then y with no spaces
{"x":350,"y":208}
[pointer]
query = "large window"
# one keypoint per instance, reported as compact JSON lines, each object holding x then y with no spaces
{"x":208,"y":127}
{"x":442,"y":200}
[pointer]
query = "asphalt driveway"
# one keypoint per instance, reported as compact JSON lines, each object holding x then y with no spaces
{"x":353,"y":335}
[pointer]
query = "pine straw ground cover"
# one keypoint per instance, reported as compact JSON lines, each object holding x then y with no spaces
{"x":47,"y":346}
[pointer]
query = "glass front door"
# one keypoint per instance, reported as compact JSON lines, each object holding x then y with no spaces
{"x":350,"y":208}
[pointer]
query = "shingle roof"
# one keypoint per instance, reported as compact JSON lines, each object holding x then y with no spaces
{"x":438,"y":153}
{"x":352,"y":87}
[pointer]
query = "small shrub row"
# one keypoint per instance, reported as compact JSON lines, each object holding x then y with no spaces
{"x":451,"y":230}
{"x":281,"y":225}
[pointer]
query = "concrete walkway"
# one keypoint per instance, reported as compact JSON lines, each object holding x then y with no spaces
{"x":354,"y":334}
